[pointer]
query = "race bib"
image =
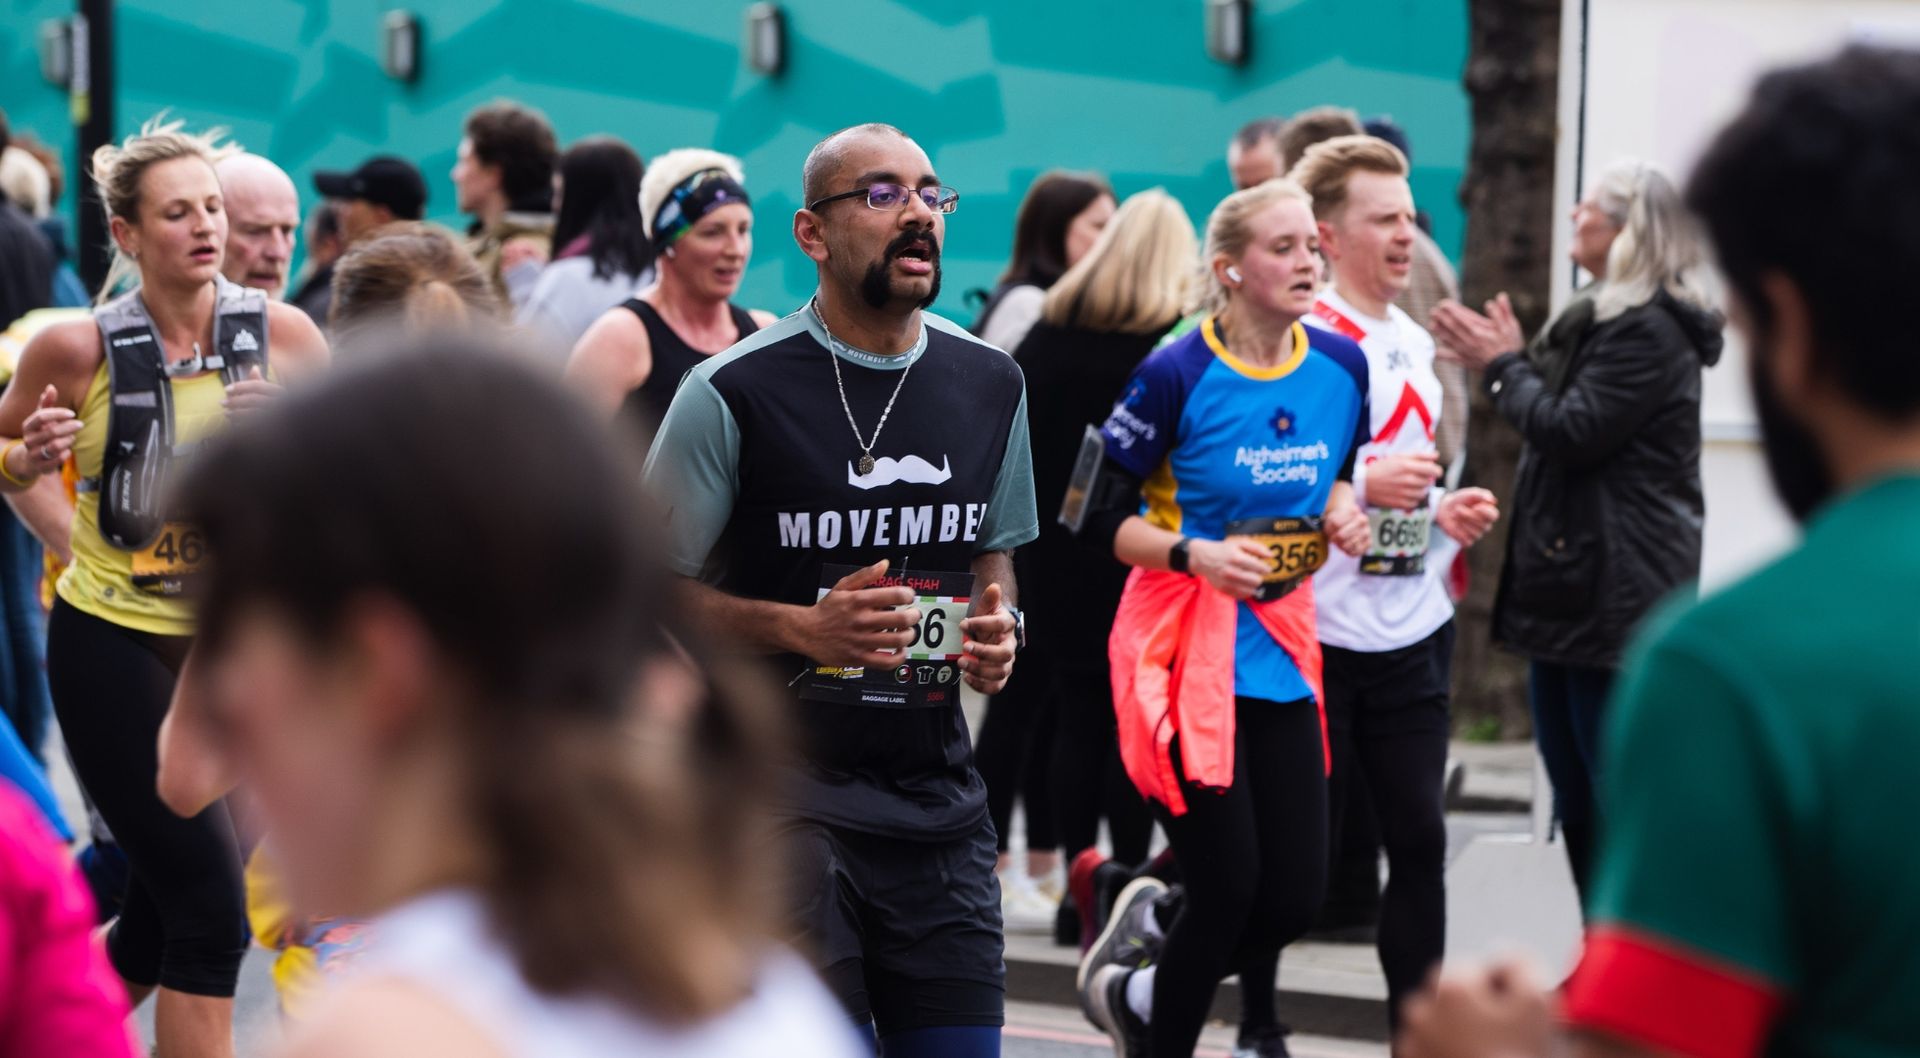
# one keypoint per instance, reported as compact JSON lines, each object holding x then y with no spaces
{"x":926,"y":674}
{"x":1298,"y":546}
{"x":1399,"y":547}
{"x":168,"y":565}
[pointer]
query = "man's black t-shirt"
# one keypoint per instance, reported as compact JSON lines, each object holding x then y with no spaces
{"x":760,"y":471}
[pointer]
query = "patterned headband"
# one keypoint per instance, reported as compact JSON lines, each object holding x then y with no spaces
{"x":693,"y":198}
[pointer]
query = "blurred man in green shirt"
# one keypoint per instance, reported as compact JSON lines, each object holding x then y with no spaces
{"x":1759,"y":882}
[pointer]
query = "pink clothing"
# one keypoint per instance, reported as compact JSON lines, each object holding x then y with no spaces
{"x":1171,"y":656}
{"x":58,"y":995}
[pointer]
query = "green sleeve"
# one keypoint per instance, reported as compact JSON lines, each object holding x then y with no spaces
{"x":1698,"y":826}
{"x":693,"y":472}
{"x":1012,"y":516}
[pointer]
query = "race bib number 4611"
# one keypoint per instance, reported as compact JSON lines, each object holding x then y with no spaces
{"x":927,"y":672}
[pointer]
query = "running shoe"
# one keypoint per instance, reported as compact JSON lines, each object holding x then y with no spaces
{"x":1265,"y":1043}
{"x":1105,"y":1000}
{"x":1080,"y":893}
{"x":1024,"y":908}
{"x":1126,"y":941}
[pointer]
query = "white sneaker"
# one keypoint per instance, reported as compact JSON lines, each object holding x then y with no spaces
{"x":1053,"y":887}
{"x":1023,"y":906}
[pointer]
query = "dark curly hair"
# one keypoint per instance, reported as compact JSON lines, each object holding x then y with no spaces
{"x":519,"y":140}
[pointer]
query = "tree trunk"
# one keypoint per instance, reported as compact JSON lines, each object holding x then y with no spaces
{"x":1512,"y":76}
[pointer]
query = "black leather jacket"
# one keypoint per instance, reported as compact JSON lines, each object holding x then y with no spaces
{"x":1606,"y":507}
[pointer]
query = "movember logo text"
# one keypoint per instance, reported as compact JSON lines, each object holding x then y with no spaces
{"x":1283,"y":464}
{"x":882,"y":526}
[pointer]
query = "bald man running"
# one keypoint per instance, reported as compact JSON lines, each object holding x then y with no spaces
{"x":263,"y":215}
{"x":846,"y":487}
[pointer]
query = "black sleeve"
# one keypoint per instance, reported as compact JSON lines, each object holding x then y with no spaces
{"x":1115,"y":498}
{"x":1360,"y":437}
{"x":1635,"y":370}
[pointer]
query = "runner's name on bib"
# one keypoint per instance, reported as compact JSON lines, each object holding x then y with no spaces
{"x":1298,"y":546}
{"x":1399,"y":547}
{"x":168,"y":565}
{"x":926,"y":673}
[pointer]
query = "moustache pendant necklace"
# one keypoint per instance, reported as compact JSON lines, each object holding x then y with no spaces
{"x":865,"y":464}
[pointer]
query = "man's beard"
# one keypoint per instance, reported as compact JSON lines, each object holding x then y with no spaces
{"x":1795,"y":462}
{"x":877,"y":285}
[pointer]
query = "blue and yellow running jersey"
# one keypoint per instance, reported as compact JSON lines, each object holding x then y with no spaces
{"x":1218,"y":440}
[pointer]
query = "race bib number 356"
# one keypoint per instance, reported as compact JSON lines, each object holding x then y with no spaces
{"x":927,"y":672}
{"x":1298,"y":547}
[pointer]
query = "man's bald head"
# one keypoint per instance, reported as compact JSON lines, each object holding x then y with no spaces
{"x":821,"y":175}
{"x":887,"y":259}
{"x":263,"y":215}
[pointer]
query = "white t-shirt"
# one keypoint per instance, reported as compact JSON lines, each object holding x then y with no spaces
{"x":443,"y":943}
{"x":1376,"y":612}
{"x":1018,"y":311}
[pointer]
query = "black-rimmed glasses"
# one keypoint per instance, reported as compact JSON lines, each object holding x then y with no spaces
{"x":893,"y":197}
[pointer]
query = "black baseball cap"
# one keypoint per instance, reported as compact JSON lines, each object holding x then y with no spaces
{"x":384,"y":181}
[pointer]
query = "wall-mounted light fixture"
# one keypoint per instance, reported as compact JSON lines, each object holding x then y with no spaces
{"x":400,"y":45}
{"x":1229,"y":30}
{"x":766,"y":38}
{"x":56,"y":52}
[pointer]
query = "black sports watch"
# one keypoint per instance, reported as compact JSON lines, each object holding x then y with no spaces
{"x":1179,"y":559}
{"x":1019,"y":629}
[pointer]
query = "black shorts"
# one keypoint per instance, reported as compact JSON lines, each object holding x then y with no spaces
{"x":1391,"y":692}
{"x":906,"y":933}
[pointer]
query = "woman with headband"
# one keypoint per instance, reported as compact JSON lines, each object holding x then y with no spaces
{"x":699,"y":217}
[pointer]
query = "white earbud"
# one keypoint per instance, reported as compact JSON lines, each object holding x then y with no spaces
{"x":669,"y":251}
{"x":1233,"y":273}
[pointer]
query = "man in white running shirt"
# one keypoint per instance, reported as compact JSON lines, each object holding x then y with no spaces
{"x":1386,"y":619}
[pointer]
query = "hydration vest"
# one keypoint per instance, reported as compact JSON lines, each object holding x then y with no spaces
{"x":135,"y":466}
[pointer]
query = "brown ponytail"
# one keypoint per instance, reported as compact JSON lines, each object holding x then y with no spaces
{"x":436,"y":303}
{"x":657,"y":827}
{"x":411,"y":274}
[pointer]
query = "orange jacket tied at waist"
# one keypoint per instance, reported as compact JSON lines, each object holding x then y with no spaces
{"x":1171,"y":654}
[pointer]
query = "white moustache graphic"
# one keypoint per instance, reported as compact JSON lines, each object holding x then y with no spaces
{"x":913,"y":469}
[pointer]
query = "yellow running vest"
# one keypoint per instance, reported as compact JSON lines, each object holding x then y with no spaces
{"x":100,"y":581}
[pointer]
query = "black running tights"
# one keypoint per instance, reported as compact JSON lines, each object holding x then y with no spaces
{"x":183,"y":923}
{"x":1254,"y":860}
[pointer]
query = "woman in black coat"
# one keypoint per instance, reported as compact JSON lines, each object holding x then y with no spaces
{"x":1607,"y":507}
{"x":1097,"y":323}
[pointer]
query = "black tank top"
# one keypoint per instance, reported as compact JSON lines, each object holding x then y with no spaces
{"x":672,"y":359}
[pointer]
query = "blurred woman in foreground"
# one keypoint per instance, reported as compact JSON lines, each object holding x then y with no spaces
{"x":467,"y":721}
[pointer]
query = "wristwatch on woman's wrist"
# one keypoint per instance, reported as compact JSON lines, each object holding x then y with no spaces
{"x":1179,"y":558}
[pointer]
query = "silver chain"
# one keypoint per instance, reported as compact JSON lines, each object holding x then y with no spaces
{"x":833,"y":353}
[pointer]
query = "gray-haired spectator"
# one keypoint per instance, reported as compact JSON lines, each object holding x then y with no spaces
{"x":1607,"y":507}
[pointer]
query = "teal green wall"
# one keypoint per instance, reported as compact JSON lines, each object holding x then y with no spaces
{"x":996,"y":90}
{"x":33,"y":105}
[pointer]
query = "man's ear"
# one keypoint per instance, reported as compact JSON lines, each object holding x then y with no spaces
{"x":810,"y":233}
{"x":1329,"y":243}
{"x":1789,"y":358}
